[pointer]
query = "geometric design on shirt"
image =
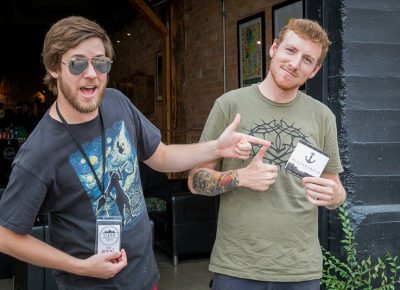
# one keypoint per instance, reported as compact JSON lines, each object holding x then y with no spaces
{"x":123,"y":194}
{"x":283,"y":137}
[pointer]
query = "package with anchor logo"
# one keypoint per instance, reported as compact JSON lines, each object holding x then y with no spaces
{"x":306,"y":160}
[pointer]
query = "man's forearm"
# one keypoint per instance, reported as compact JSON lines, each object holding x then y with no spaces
{"x":31,"y":250}
{"x":34,"y":251}
{"x":174,"y":158}
{"x":211,"y":182}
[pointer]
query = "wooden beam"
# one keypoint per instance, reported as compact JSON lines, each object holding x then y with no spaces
{"x":166,"y":112}
{"x":164,"y":31}
{"x":151,"y":17}
{"x":174,"y":93}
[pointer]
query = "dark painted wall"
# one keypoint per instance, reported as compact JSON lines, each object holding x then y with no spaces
{"x":362,"y":86}
{"x":371,"y":58}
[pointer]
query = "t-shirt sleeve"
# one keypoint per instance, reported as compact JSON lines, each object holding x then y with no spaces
{"x":148,"y":136}
{"x":331,"y":146}
{"x":216,"y":123}
{"x":21,"y":201}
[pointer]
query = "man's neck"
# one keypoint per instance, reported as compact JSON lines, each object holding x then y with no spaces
{"x":70,"y":114}
{"x":271,"y":91}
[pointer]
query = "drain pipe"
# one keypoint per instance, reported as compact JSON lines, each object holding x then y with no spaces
{"x":224,"y":41}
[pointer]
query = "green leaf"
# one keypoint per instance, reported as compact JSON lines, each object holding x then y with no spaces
{"x":355,"y":274}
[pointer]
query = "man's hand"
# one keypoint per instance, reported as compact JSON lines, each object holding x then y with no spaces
{"x":258,"y":175}
{"x":326,"y":190}
{"x":104,"y":266}
{"x":232,"y":144}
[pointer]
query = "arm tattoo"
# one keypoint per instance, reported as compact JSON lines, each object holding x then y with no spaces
{"x":211,"y":182}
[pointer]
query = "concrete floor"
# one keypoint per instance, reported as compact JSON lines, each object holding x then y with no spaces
{"x":6,"y":284}
{"x":190,"y":274}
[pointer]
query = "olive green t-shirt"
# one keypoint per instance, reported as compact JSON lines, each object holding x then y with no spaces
{"x":271,"y":235}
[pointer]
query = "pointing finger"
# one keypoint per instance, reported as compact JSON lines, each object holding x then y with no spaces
{"x":255,"y":140}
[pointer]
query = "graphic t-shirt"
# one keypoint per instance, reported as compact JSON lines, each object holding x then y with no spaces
{"x":50,"y":175}
{"x":271,"y":235}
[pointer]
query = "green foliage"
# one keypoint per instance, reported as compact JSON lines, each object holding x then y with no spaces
{"x":354,"y":274}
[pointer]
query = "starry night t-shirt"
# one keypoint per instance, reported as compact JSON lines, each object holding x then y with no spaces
{"x":51,"y":176}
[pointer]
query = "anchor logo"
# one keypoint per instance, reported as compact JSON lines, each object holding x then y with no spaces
{"x":310,"y":159}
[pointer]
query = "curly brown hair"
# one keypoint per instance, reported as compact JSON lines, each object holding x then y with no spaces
{"x":65,"y":34}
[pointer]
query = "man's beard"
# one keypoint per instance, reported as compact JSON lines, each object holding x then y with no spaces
{"x":73,"y":100}
{"x":284,"y":86}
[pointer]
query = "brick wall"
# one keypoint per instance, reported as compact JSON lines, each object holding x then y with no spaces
{"x":137,"y":54}
{"x":204,"y":79}
{"x":203,"y":56}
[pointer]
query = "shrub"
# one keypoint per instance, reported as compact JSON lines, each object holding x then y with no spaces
{"x":352,"y":273}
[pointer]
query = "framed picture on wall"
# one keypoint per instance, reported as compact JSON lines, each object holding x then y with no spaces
{"x":251,"y":49}
{"x":283,"y":12}
{"x":159,"y":79}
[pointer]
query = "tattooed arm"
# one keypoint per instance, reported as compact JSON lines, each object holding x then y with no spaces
{"x":211,"y":182}
{"x":256,"y":176}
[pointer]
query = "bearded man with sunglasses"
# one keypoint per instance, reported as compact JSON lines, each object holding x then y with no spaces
{"x":80,"y":165}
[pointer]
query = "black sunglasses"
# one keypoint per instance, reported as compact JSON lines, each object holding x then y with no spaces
{"x":77,"y":66}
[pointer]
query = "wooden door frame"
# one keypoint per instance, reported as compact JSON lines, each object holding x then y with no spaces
{"x":165,"y":33}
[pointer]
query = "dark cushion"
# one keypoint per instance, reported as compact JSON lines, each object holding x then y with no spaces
{"x":188,"y":226}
